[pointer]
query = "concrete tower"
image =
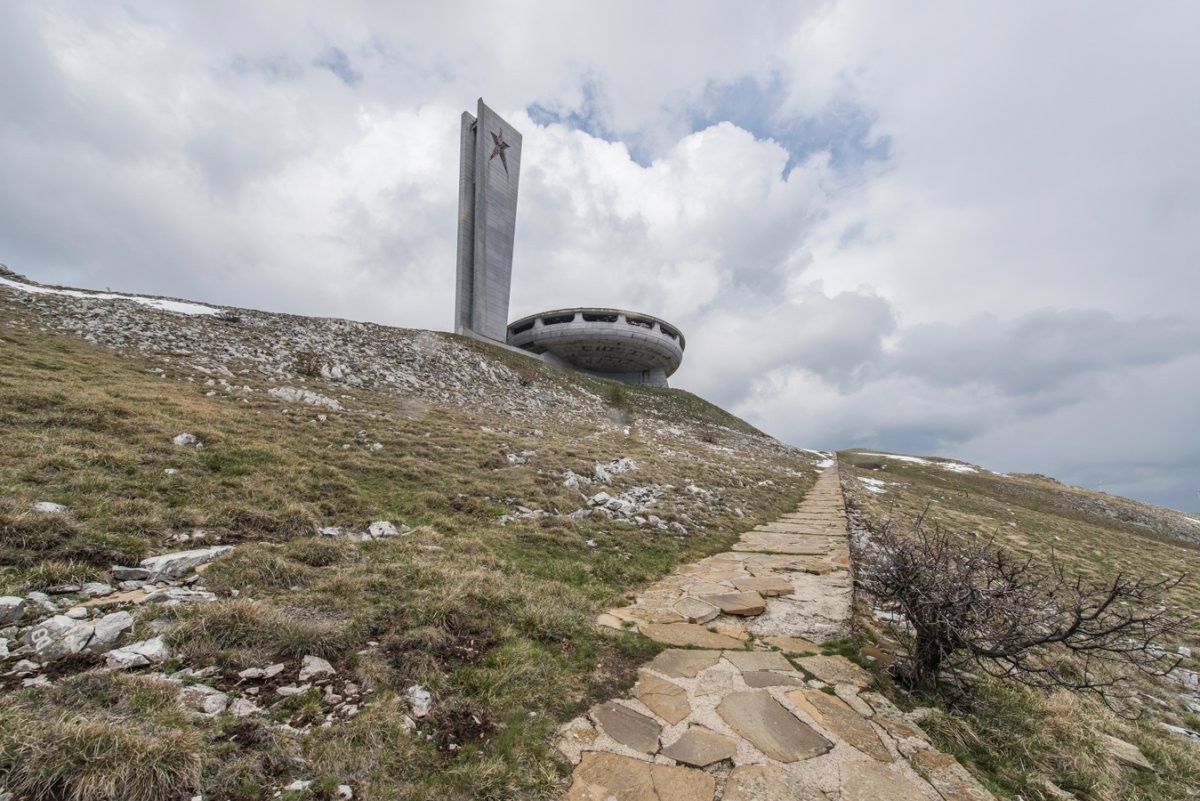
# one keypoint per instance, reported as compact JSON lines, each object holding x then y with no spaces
{"x":489,"y":168}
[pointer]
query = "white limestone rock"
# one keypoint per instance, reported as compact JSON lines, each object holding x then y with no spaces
{"x":48,"y":507}
{"x":243,"y":707}
{"x":312,"y":666}
{"x":12,"y":609}
{"x":108,"y":631}
{"x":95,"y":589}
{"x":179,"y":595}
{"x":204,"y":699}
{"x":170,"y":566}
{"x":420,"y":700}
{"x":138,"y":654}
{"x":185,"y":439}
{"x":57,"y":637}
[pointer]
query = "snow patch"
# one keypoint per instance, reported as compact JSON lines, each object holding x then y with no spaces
{"x":913,"y":459}
{"x":873,"y":485}
{"x":958,"y":467}
{"x":155,"y":303}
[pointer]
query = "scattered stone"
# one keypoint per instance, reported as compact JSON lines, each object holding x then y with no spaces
{"x":629,"y":728}
{"x":12,"y":609}
{"x":295,"y":395}
{"x":77,"y":613}
{"x":838,"y":717}
{"x":289,"y":690}
{"x":95,"y":589}
{"x":693,"y":610}
{"x":312,"y":666}
{"x":700,"y":746}
{"x":771,"y":728}
{"x":611,"y":777}
{"x":25,"y":666}
{"x":384,"y":528}
{"x":666,"y":699}
{"x":120,"y":573}
{"x":186,"y":439}
{"x":683,"y":663}
{"x":737,"y":603}
{"x":297,"y":786}
{"x":688,"y":634}
{"x":48,"y":507}
{"x":138,"y":654}
{"x":243,"y":707}
{"x":3,"y":648}
{"x":179,"y":595}
{"x":345,"y":792}
{"x":836,"y":670}
{"x":1184,"y":651}
{"x":270,"y":671}
{"x":173,"y":565}
{"x":1125,"y":753}
{"x":871,"y":781}
{"x":108,"y":631}
{"x":204,"y":699}
{"x":36,"y":681}
{"x":420,"y":700}
{"x":768,"y":783}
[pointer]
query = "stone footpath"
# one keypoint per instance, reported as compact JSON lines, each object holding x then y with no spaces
{"x":743,"y":707}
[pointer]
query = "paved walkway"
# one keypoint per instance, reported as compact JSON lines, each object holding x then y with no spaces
{"x":743,"y":707}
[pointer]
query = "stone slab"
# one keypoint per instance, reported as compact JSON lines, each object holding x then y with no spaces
{"x":767,"y":783}
{"x":684,"y":663}
{"x":770,"y":678}
{"x":664,"y":698}
{"x":835,"y":670}
{"x":950,"y":779}
{"x":611,"y":777}
{"x":759,"y":660}
{"x":771,"y":728}
{"x":874,"y":781}
{"x":700,"y":746}
{"x":792,"y":645}
{"x":836,"y":715}
{"x":628,"y":727}
{"x":737,"y":603}
{"x":768,"y":587}
{"x":693,"y":610}
{"x":685,"y":634}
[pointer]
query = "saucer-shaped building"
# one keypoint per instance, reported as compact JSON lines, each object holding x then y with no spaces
{"x":610,"y":343}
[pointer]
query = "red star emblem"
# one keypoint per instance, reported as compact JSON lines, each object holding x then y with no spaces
{"x":498,"y":150}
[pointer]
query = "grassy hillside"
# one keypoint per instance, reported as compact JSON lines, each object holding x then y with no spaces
{"x":1019,"y":739}
{"x":430,"y":432}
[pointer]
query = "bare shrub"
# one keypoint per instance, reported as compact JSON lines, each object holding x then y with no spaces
{"x":975,"y":604}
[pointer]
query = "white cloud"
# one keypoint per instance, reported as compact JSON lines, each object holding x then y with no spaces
{"x":998,"y":283}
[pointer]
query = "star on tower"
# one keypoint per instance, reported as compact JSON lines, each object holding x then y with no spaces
{"x":498,"y":150}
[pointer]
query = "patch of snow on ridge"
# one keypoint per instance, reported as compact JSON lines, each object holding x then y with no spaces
{"x":913,"y":459}
{"x":176,"y":306}
{"x":825,"y":463}
{"x":873,"y":485}
{"x":958,"y":467}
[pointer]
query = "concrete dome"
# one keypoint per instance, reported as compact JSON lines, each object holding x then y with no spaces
{"x":613,"y":343}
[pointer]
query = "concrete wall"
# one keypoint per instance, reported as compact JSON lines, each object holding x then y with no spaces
{"x":488,"y":181}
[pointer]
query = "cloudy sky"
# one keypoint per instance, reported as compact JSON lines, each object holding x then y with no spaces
{"x":968,"y":229}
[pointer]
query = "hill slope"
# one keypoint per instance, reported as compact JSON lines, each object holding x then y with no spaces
{"x":1019,"y":740}
{"x":478,"y":509}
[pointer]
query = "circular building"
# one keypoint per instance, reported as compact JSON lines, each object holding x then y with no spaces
{"x":611,"y":343}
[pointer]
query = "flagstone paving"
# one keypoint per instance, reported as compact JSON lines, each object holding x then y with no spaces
{"x":744,"y":707}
